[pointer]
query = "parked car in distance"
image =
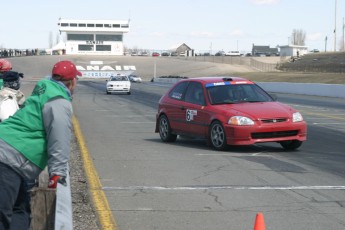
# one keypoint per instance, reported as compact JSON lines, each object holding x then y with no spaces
{"x":155,"y":54}
{"x":134,"y":78}
{"x":227,"y":111}
{"x":233,"y":53}
{"x":143,"y":53}
{"x":118,"y":84}
{"x":220,"y":53}
{"x":315,"y":51}
{"x":165,"y":54}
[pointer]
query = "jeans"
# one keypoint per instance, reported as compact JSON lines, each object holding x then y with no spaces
{"x":14,"y":200}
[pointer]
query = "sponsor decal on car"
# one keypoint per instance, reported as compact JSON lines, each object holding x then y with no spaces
{"x":217,"y":84}
{"x":190,"y":114}
{"x":177,"y":95}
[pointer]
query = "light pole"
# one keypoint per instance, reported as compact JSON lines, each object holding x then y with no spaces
{"x":343,"y":48}
{"x":335,"y":27}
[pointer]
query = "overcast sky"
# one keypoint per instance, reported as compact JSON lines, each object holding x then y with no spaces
{"x":203,"y":25}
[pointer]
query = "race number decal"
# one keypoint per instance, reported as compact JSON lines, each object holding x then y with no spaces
{"x":190,"y":114}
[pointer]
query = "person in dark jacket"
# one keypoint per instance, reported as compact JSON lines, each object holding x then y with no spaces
{"x":36,"y":136}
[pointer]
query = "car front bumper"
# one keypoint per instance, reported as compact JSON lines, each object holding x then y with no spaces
{"x":248,"y":135}
{"x":118,"y":89}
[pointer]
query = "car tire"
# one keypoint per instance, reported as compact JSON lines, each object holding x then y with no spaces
{"x":165,"y":129}
{"x":128,"y":93}
{"x":291,"y":145}
{"x":108,"y":92}
{"x":217,"y":136}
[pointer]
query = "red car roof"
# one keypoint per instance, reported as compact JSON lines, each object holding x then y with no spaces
{"x":206,"y":80}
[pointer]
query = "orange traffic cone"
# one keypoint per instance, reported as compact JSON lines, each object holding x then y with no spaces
{"x":259,"y":222}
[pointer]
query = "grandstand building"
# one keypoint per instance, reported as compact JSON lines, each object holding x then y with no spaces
{"x":96,"y":37}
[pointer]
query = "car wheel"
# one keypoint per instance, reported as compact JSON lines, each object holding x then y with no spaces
{"x":291,"y":145}
{"x":165,"y":129}
{"x":108,"y":92}
{"x":128,"y":93}
{"x":217,"y":137}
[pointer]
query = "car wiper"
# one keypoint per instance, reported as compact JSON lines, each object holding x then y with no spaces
{"x":254,"y":101}
{"x":225,"y":102}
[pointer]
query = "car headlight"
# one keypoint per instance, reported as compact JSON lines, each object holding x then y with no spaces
{"x":240,"y":120}
{"x":296,"y":117}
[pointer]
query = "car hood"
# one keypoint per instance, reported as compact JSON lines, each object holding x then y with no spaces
{"x":257,"y":110}
{"x":118,"y":82}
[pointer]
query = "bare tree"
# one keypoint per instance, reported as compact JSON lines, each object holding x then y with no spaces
{"x":57,"y":39}
{"x":298,"y":37}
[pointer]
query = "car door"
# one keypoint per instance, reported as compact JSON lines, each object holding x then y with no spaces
{"x":174,"y":106}
{"x":195,"y":116}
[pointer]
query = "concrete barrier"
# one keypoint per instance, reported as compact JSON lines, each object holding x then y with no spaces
{"x":315,"y":89}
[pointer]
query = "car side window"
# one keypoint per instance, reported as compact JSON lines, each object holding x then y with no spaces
{"x":178,"y":91}
{"x":195,"y":94}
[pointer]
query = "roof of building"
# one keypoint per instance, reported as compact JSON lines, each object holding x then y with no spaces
{"x":264,"y":49}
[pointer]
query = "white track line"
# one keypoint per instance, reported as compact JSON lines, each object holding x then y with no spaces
{"x":185,"y":188}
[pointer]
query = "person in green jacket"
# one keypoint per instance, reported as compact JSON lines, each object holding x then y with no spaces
{"x":36,"y":136}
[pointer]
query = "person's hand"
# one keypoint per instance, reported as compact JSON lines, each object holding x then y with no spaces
{"x":56,"y":179}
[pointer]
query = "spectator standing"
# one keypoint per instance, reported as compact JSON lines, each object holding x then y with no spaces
{"x":36,"y":136}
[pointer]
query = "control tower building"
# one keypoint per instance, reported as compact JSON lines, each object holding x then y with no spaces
{"x":94,"y":37}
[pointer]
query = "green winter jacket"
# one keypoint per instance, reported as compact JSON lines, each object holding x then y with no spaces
{"x":25,"y":131}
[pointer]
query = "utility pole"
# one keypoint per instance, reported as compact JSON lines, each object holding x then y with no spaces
{"x":326,"y":44}
{"x":335,"y":27}
{"x":343,"y":48}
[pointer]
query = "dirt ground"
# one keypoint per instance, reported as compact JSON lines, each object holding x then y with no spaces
{"x":326,"y":78}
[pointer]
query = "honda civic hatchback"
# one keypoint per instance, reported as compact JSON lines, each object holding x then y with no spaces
{"x":118,"y":84}
{"x":227,"y":111}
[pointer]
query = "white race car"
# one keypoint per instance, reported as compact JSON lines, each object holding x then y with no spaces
{"x":118,"y":84}
{"x":135,"y":78}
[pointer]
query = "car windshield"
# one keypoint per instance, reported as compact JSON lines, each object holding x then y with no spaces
{"x":240,"y":93}
{"x":119,"y":78}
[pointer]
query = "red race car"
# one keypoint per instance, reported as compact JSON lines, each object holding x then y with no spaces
{"x":227,"y":111}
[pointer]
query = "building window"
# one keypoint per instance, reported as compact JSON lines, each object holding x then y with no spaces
{"x":82,"y":25}
{"x":107,"y":25}
{"x":124,"y":26}
{"x":80,"y":37}
{"x":85,"y":47}
{"x":64,"y":24}
{"x":99,"y":25}
{"x":103,"y":48}
{"x":116,"y":25}
{"x":73,"y":24}
{"x":109,"y":37}
{"x":90,"y":25}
